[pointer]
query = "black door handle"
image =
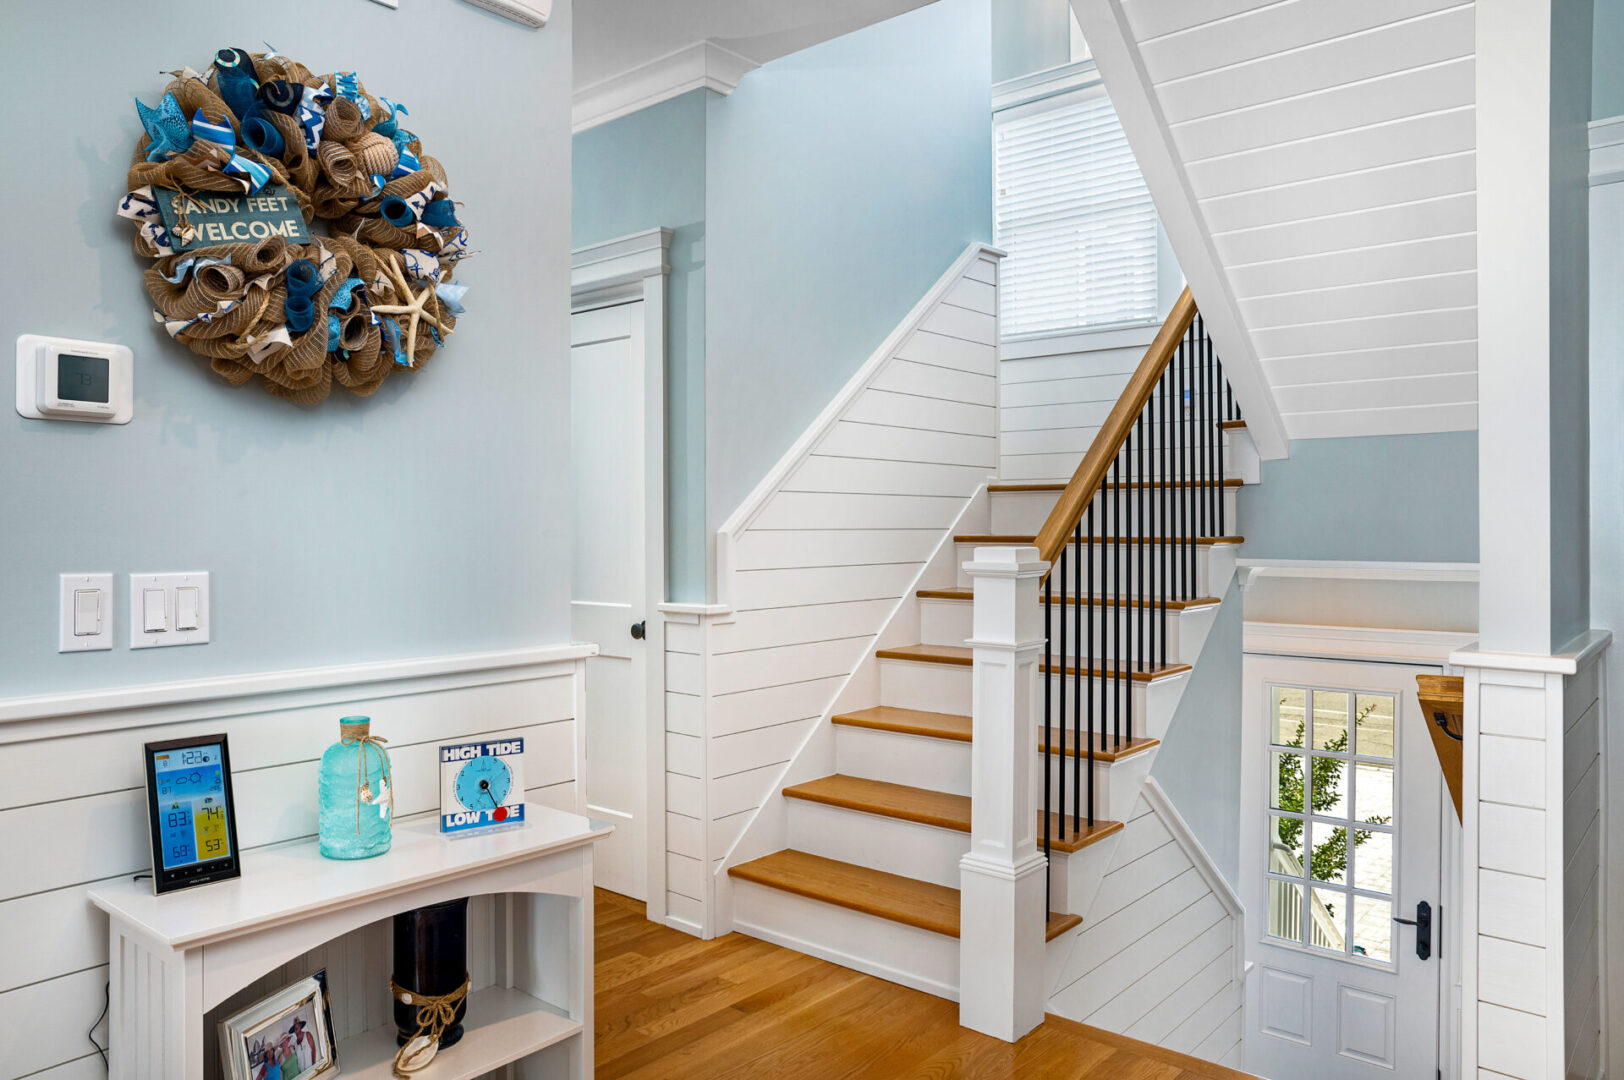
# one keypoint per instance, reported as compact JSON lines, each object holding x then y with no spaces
{"x":1423,"y":928}
{"x":639,"y":629}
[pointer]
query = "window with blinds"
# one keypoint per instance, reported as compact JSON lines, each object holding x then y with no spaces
{"x":1075,"y":217}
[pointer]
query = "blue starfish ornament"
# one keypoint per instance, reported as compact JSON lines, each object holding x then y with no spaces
{"x":166,"y":126}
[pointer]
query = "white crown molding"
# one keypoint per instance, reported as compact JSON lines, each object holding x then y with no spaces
{"x":1607,"y":150}
{"x":134,"y":706}
{"x":702,"y":65}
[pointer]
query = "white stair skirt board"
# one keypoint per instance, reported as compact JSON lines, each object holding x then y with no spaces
{"x":947,"y":622}
{"x":889,"y":950}
{"x":922,"y":852}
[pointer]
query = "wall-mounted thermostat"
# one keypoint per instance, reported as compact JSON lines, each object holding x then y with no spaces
{"x":64,"y":379}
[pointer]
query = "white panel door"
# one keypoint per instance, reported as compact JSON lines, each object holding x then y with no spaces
{"x":1341,"y":835}
{"x":609,"y":594}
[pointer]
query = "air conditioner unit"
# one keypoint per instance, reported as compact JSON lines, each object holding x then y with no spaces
{"x":529,"y":12}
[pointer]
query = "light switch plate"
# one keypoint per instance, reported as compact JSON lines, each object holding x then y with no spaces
{"x":71,"y":585}
{"x":169,"y":584}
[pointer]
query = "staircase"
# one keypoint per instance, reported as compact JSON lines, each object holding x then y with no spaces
{"x":871,"y":873}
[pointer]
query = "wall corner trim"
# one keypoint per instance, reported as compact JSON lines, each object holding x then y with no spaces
{"x":701,"y":65}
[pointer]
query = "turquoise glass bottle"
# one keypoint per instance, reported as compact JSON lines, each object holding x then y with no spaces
{"x":355,"y":793}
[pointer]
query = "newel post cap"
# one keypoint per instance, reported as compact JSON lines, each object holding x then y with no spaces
{"x":1012,"y":561}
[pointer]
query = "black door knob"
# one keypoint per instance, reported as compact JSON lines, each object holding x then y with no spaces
{"x":639,"y":629}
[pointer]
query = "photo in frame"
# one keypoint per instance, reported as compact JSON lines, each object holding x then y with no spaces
{"x":286,"y":1036}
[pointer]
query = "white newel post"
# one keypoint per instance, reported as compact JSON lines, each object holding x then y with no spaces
{"x":1001,"y":916}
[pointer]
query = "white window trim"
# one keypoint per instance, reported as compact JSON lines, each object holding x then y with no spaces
{"x":1066,"y":79}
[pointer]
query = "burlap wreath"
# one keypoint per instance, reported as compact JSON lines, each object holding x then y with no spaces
{"x":392,"y":249}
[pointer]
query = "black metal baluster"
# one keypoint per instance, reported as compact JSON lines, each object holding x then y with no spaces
{"x":1078,"y":610}
{"x":1209,"y":428}
{"x":1123,"y":588}
{"x":1048,"y":751}
{"x":1049,"y":731}
{"x":1166,"y":549}
{"x":1145,"y":534}
{"x":1190,"y":464}
{"x":1175,"y":423}
{"x":1223,"y":478}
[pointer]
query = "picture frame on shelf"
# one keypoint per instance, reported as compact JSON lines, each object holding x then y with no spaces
{"x":286,"y":1036}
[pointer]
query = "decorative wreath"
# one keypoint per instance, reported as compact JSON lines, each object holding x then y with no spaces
{"x":233,"y":168}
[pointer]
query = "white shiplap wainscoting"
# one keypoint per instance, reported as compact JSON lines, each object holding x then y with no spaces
{"x":1051,"y":406}
{"x":812,"y":566}
{"x":73,"y":813}
{"x":1160,"y":957}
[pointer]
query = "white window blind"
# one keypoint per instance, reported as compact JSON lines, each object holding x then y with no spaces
{"x":1075,"y":217}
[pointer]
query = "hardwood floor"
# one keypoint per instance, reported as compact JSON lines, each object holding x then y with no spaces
{"x":670,"y":1005}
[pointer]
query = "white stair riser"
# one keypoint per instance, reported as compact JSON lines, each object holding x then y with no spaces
{"x":921,"y":852}
{"x":1075,"y":879}
{"x":947,"y":688}
{"x":915,"y":760}
{"x":1116,"y":786}
{"x":944,"y":765}
{"x":889,"y":950}
{"x":948,"y":622}
{"x":1023,"y":513}
{"x":1108,"y":580}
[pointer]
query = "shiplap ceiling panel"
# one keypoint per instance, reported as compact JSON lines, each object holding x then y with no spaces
{"x":1446,"y":216}
{"x":1267,"y":29}
{"x":1408,"y":258}
{"x":1370,"y":332}
{"x":1456,"y":290}
{"x":1442,"y":358}
{"x":1428,"y":178}
{"x":1398,"y":420}
{"x":1430,"y":39}
{"x":1446,"y":389}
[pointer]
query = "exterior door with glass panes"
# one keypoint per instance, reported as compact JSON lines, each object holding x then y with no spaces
{"x":1341,"y":834}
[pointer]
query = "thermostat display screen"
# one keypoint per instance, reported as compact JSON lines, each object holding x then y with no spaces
{"x":191,"y":804}
{"x":83,"y":378}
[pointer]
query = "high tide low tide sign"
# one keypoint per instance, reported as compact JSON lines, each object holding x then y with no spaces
{"x":205,"y":218}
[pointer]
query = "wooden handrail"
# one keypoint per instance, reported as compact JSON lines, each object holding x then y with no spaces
{"x":1085,"y":483}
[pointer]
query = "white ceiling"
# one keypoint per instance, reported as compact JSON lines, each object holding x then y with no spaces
{"x":616,"y":37}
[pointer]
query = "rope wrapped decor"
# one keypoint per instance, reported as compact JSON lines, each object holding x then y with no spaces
{"x":372,"y":297}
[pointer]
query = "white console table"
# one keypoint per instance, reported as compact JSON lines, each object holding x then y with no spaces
{"x":175,"y":957}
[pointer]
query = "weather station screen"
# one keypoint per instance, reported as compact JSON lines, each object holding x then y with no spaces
{"x":191,"y":805}
{"x":83,"y":378}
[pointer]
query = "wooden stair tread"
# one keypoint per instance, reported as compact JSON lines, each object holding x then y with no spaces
{"x":999,"y":538}
{"x":1229,"y":481}
{"x":909,"y":722}
{"x":1074,"y":840}
{"x":872,"y":892}
{"x":968,"y":594}
{"x":963,"y":656}
{"x":1115,"y":754}
{"x":880,"y":797}
{"x":1230,"y":425}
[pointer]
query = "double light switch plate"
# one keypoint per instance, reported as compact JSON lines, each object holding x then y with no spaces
{"x":169,"y":609}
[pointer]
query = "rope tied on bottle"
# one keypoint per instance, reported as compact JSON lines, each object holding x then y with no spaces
{"x":359,"y":735}
{"x":435,"y":1013}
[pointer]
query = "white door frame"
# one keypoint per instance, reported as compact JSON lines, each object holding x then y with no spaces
{"x":619,"y":271}
{"x":1269,"y":646}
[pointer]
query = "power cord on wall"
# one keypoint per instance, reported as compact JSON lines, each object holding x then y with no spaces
{"x":107,"y":1001}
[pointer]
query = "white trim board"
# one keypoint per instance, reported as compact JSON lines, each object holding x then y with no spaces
{"x":1361,"y":643}
{"x":1331,"y":570}
{"x":125,"y":706}
{"x":701,"y":65}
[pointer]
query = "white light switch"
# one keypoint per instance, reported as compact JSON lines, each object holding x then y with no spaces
{"x":169,"y":609}
{"x":85,"y":621}
{"x":186,"y":607}
{"x":154,"y":618}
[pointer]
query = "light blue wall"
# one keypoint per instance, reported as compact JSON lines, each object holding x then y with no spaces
{"x":1199,"y":763}
{"x":640,"y":172}
{"x":1379,"y":498}
{"x":1029,"y":36}
{"x":1607,"y":61}
{"x":842,"y":181}
{"x":424,"y":520}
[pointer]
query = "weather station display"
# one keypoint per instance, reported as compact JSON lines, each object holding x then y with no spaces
{"x":191,"y":806}
{"x":481,"y":786}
